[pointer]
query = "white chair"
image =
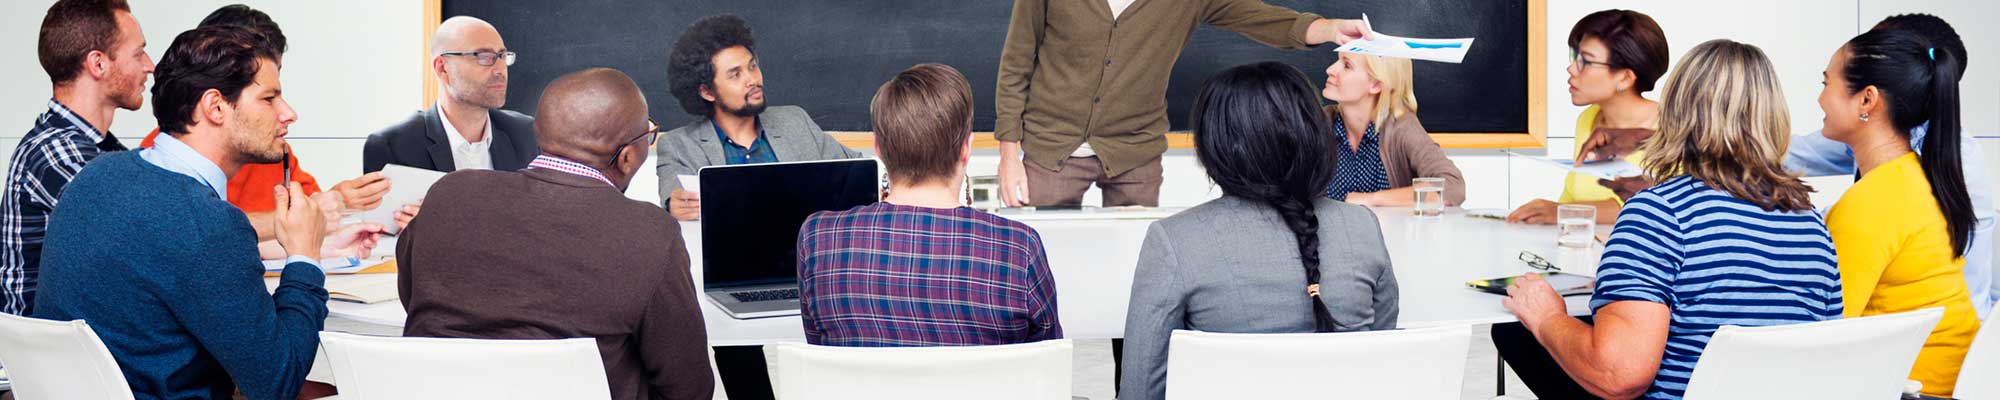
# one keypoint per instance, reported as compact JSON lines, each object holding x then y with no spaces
{"x":1979,"y":376}
{"x":384,"y":368}
{"x":1039,"y":370}
{"x":58,"y":360}
{"x":1855,"y":358}
{"x":1426,"y":363}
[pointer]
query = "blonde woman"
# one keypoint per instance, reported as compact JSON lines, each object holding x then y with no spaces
{"x":1727,"y":238}
{"x":1380,"y":146}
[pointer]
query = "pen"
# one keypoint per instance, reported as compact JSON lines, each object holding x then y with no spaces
{"x":287,"y":165}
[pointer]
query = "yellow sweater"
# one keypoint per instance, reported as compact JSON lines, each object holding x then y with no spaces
{"x":1896,"y":256}
{"x":1577,"y":187}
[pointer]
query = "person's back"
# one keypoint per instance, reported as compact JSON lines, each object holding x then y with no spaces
{"x":557,"y":250}
{"x":517,"y":255}
{"x":1715,"y":260}
{"x":1231,"y":265}
{"x":896,"y":275}
{"x":919,"y":268}
{"x":158,"y":307}
{"x":1273,"y":255}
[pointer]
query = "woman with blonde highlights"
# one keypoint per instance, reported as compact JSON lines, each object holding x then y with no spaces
{"x":1726,"y":238}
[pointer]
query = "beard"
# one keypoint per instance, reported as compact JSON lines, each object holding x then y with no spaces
{"x":480,"y":94}
{"x":129,"y":93}
{"x":748,"y":109}
{"x":255,"y":143}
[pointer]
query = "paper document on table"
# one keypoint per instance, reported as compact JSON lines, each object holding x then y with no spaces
{"x":406,"y":186}
{"x":1378,"y":44}
{"x":1608,"y":169}
{"x":690,"y":183}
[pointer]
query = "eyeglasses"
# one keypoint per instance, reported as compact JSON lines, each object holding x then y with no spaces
{"x":1576,"y":59}
{"x":484,"y":58}
{"x":1537,"y":262}
{"x":652,"y":133}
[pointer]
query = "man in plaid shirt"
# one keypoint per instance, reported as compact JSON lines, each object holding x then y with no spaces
{"x":918,"y":269}
{"x":96,"y":57}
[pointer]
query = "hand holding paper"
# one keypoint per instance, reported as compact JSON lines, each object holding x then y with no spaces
{"x":1378,"y":44}
{"x":406,"y":186}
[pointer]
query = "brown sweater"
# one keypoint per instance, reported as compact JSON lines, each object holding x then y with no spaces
{"x":1409,"y":153}
{"x":1069,"y":73}
{"x":540,"y":254}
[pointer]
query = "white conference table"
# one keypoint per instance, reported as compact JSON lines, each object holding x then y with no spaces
{"x":1093,"y":259}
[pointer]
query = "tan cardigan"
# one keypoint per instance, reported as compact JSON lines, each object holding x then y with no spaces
{"x":1069,"y":73}
{"x":1409,"y":153}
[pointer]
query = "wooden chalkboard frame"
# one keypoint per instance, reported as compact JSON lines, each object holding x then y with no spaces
{"x":1536,"y":136}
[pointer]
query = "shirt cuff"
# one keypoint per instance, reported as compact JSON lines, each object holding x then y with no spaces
{"x":303,"y":259}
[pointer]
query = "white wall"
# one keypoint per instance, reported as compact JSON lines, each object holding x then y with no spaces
{"x":355,"y":66}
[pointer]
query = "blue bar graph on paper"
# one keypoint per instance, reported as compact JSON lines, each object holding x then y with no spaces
{"x":1415,"y":45}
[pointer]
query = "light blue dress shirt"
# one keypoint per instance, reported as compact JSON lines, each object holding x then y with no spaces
{"x":170,"y":154}
{"x":1816,"y":155}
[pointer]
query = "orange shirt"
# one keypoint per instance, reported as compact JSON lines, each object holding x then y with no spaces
{"x":250,"y":188}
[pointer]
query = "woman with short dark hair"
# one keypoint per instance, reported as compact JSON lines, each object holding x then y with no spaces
{"x":1615,"y":57}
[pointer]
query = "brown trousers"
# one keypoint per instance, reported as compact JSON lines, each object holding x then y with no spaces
{"x":1137,"y":187}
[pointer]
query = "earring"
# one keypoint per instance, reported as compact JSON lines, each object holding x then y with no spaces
{"x":1864,"y":117}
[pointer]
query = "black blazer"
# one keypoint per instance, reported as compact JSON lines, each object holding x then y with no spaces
{"x":420,"y":142}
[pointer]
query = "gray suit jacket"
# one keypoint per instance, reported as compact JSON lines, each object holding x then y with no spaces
{"x":792,"y":133}
{"x":1230,"y":265}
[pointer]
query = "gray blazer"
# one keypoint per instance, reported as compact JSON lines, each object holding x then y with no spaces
{"x":793,"y":136}
{"x":1230,"y":265}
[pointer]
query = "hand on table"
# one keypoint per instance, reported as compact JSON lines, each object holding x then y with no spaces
{"x":1537,"y":211}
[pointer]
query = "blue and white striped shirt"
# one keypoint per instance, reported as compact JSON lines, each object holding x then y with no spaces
{"x":1715,"y":260}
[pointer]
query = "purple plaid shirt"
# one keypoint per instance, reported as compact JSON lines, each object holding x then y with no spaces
{"x":886,"y":275}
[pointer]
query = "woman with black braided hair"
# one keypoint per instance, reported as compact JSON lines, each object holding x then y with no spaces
{"x":1273,"y":255}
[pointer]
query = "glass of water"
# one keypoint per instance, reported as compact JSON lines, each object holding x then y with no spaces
{"x":1576,"y":225}
{"x":1430,"y":196}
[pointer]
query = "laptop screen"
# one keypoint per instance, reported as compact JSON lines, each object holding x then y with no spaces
{"x":751,"y":214}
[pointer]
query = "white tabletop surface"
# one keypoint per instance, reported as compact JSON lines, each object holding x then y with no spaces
{"x":1093,"y":261}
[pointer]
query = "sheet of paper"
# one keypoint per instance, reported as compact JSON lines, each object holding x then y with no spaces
{"x":1610,"y":169}
{"x":690,"y":183}
{"x":1379,"y":44}
{"x":406,"y":186}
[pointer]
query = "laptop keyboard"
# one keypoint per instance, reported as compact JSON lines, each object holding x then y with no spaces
{"x":766,"y":295}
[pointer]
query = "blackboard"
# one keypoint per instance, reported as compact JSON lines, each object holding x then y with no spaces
{"x":829,"y":56}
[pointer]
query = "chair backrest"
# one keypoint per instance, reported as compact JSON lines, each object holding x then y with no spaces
{"x":58,"y":360}
{"x":1426,"y":363}
{"x":1854,"y":358}
{"x":1979,"y":377}
{"x":1039,"y":370}
{"x":386,"y":368}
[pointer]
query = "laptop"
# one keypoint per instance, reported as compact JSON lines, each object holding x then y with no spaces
{"x":751,"y":216}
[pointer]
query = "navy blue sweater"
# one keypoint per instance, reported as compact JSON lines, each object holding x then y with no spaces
{"x":168,"y":276}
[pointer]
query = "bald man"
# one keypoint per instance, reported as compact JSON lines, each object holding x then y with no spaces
{"x":557,"y":251}
{"x":466,"y":129}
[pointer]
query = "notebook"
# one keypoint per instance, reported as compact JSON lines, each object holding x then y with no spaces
{"x":1564,"y":284}
{"x":364,"y":291}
